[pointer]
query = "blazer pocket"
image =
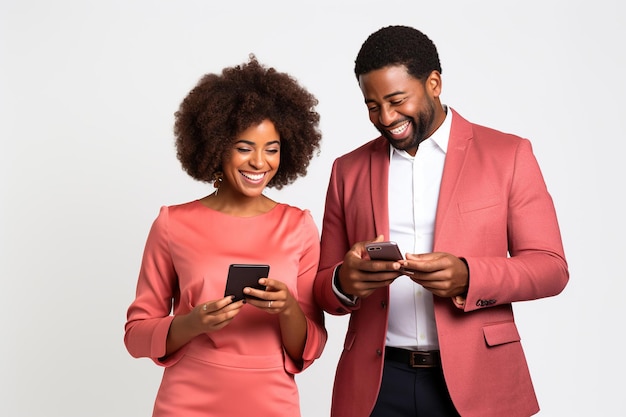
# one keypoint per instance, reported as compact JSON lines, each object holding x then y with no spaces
{"x":501,"y":333}
{"x":483,"y":203}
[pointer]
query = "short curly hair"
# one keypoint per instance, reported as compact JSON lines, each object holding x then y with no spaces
{"x":223,"y":105}
{"x":398,"y":45}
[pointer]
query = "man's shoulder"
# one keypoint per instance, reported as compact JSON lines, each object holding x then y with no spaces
{"x":373,"y":146}
{"x":480,"y":132}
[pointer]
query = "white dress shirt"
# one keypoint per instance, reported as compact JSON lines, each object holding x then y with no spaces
{"x":414,"y":184}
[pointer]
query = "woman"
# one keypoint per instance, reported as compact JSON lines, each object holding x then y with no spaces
{"x":245,"y":129}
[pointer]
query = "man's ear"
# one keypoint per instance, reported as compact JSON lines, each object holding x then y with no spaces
{"x":433,"y":83}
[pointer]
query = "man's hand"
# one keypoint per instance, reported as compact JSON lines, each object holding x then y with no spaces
{"x":441,"y":273}
{"x":360,"y":276}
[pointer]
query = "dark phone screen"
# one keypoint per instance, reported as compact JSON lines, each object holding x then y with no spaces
{"x":244,"y":275}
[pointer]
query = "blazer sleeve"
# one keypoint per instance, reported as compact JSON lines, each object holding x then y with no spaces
{"x":536,"y":265}
{"x":334,"y":245}
{"x":316,"y":330}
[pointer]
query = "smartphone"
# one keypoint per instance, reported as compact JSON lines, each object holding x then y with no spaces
{"x":384,"y":251}
{"x":244,"y":275}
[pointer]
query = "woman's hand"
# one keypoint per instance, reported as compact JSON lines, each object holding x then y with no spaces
{"x":277,"y":299}
{"x":214,"y":315}
{"x":207,"y":317}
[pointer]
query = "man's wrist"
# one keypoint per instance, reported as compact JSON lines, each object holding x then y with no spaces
{"x":464,"y":294}
{"x":345,"y":298}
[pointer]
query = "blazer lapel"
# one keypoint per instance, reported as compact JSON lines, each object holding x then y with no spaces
{"x":460,"y":136}
{"x":379,"y":183}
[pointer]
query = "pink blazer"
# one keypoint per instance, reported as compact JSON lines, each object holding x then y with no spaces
{"x":495,"y":211}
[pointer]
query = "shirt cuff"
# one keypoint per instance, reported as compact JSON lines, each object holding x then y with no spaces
{"x":345,"y":298}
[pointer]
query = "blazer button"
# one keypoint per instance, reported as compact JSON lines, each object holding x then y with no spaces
{"x":379,"y":352}
{"x":383,"y":304}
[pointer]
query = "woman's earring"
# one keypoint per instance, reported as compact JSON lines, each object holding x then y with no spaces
{"x":217,"y":181}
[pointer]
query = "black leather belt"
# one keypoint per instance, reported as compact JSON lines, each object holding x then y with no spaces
{"x":413,"y":358}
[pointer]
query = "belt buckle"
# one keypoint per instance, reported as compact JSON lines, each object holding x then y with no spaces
{"x":421,"y":360}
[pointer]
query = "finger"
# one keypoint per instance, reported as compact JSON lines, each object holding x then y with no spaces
{"x":425,"y":256}
{"x":214,"y":305}
{"x":379,"y":238}
{"x":379,"y":275}
{"x":369,"y":286}
{"x":224,"y":304}
{"x":382,"y":266}
{"x":435,"y":283}
{"x":220,"y":320}
{"x":366,"y":288}
{"x":428,"y":278}
{"x":425,"y":266}
{"x":272,"y":284}
{"x":264,"y":304}
{"x":233,"y":306}
{"x":252,"y":293}
{"x":360,"y":251}
{"x":433,"y":258}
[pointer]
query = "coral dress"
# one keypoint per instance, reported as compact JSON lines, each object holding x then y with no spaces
{"x":242,"y":369}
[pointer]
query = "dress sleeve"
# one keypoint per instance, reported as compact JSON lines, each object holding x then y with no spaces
{"x":316,"y":330}
{"x":148,"y":317}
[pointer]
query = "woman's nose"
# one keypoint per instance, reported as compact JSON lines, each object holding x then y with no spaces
{"x":257,"y":160}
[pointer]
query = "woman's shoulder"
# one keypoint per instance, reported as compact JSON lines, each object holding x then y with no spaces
{"x":186,"y":206}
{"x":292,"y":210}
{"x":179,"y":210}
{"x":295,"y":215}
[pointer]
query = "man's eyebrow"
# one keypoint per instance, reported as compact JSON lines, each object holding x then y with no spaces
{"x":388,"y":96}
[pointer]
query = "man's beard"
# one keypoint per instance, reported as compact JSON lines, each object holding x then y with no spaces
{"x":421,"y":130}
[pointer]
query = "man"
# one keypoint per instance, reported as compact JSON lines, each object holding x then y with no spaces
{"x":433,"y":334}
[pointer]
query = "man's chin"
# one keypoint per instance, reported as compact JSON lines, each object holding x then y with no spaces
{"x":401,"y":144}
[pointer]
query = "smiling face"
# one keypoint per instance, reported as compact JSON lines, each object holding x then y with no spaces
{"x":253,"y":160}
{"x":404,"y":109}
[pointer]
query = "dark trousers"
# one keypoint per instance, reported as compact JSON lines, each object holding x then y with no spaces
{"x":413,"y":392}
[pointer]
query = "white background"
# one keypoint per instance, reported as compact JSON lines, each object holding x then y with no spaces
{"x":87,"y":95}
